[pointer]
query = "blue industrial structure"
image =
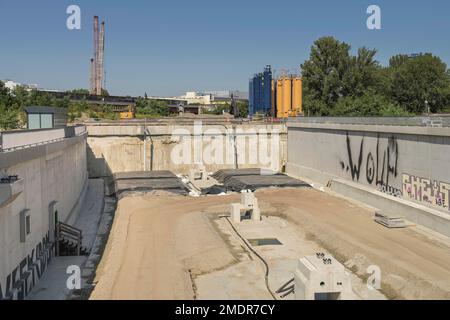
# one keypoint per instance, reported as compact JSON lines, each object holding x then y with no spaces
{"x":260,"y":93}
{"x":251,"y":109}
{"x":267,"y":89}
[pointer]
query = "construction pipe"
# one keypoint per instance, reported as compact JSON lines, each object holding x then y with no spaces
{"x":266,"y":276}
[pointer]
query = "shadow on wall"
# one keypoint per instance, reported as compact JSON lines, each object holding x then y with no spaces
{"x":99,"y":168}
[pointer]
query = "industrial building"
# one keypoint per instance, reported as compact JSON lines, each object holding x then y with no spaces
{"x":11,"y":85}
{"x":45,"y":117}
{"x":288,"y":93}
{"x":260,"y":93}
{"x":279,"y":98}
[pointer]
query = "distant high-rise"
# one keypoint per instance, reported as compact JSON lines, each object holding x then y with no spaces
{"x":97,"y":69}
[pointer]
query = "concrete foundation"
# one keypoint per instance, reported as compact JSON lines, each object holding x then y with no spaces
{"x":249,"y":203}
{"x":321,"y":277}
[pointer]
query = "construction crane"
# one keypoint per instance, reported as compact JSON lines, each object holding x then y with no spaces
{"x":97,"y":69}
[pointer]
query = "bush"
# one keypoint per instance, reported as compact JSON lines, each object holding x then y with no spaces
{"x":9,"y":119}
{"x":369,"y":104}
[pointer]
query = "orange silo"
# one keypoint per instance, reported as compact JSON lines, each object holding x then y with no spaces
{"x":287,"y":96}
{"x":280,"y":106}
{"x":297,"y":99}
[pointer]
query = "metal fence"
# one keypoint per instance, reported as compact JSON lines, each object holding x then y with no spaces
{"x":12,"y":140}
{"x":432,"y":121}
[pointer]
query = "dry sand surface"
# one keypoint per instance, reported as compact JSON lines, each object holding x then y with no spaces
{"x":159,"y":244}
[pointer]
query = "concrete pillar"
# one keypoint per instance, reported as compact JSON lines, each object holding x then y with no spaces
{"x":235,"y":209}
{"x":256,"y":213}
{"x":247,"y":199}
{"x":192,"y":175}
{"x":204,"y":174}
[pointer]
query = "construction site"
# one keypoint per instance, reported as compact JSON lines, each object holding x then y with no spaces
{"x":216,"y":207}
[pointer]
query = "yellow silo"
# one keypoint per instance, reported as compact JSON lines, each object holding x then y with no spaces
{"x":280,"y":108}
{"x":297,"y":101}
{"x":287,"y":96}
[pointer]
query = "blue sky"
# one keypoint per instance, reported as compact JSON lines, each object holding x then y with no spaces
{"x":168,"y":47}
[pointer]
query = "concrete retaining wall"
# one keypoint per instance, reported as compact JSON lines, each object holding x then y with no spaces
{"x":409,"y":163}
{"x":54,"y":179}
{"x":115,"y":148}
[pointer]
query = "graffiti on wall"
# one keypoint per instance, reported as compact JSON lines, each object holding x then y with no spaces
{"x":427,"y":191}
{"x":23,"y":278}
{"x":381,"y":164}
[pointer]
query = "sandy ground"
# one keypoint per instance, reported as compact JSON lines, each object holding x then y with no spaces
{"x":166,"y":247}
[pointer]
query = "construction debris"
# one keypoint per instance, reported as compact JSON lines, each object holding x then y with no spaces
{"x":198,"y":174}
{"x":145,"y":181}
{"x":389,"y":221}
{"x":253,"y":179}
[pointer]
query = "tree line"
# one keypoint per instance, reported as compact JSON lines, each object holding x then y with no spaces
{"x":12,"y":105}
{"x":336,"y":83}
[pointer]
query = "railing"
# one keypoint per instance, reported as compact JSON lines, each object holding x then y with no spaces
{"x":67,"y":232}
{"x":12,"y":140}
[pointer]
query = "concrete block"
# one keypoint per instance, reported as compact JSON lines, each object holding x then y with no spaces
{"x":248,"y":203}
{"x":192,"y":175}
{"x":198,"y":174}
{"x":235,"y":212}
{"x":321,"y":277}
{"x":389,"y":221}
{"x":247,"y":200}
{"x":256,"y":212}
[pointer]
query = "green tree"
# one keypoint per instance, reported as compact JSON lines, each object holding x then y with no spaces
{"x":368,"y":104}
{"x":243,"y":108}
{"x":40,"y":98}
{"x":9,"y":119}
{"x":324,"y":73}
{"x":419,"y":79}
{"x":78,"y":91}
{"x":152,"y":107}
{"x":9,"y":109}
{"x":398,"y":60}
{"x":363,"y":73}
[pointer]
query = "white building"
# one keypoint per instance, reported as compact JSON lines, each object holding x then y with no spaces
{"x":226,"y":94}
{"x":193,"y":97}
{"x":11,"y":85}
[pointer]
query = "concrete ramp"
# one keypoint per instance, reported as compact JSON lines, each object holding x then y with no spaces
{"x":146,"y":181}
